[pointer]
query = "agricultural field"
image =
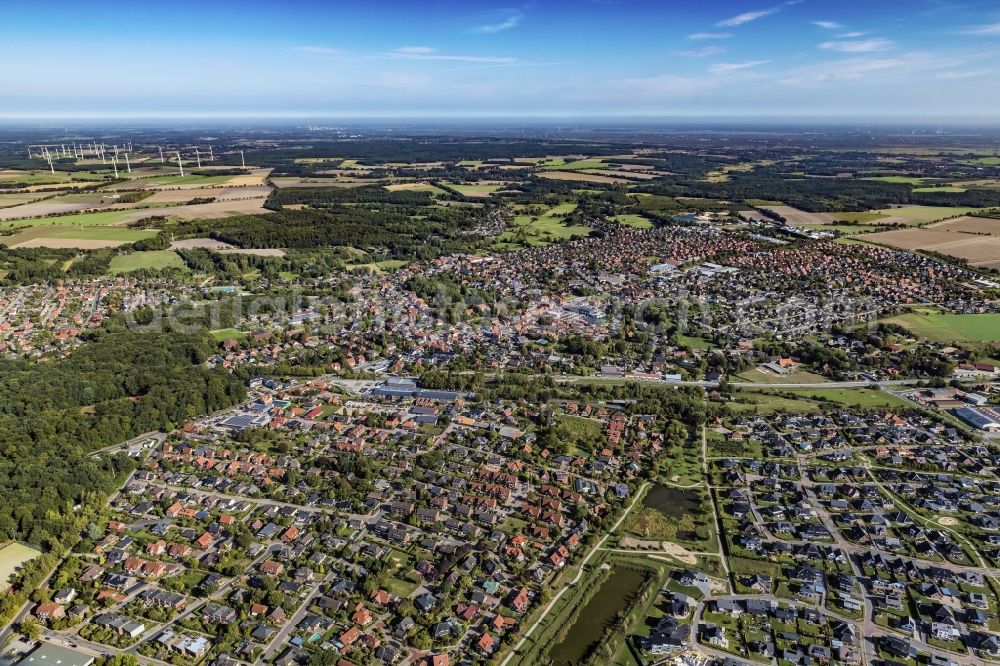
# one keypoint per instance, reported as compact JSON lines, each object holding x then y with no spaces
{"x":979,"y":251}
{"x":798,"y":218}
{"x":154,"y":259}
{"x":916,"y":215}
{"x":970,"y":225}
{"x":948,"y":328}
{"x":416,"y":187}
{"x":475,"y":189}
{"x":12,"y":556}
{"x":87,"y":238}
{"x":543,"y":229}
{"x":583,"y":177}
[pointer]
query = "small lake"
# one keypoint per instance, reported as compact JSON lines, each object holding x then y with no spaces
{"x":671,"y":502}
{"x":615,"y":594}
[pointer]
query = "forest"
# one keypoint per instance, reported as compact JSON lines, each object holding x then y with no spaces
{"x":54,"y":414}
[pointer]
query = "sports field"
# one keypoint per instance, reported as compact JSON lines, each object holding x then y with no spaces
{"x":12,"y":556}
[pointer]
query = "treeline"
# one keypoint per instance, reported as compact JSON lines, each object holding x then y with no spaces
{"x":53,"y":414}
{"x":401,"y":235}
{"x":284,"y":196}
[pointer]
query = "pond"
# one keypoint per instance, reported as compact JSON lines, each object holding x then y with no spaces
{"x":671,"y":502}
{"x":615,"y":594}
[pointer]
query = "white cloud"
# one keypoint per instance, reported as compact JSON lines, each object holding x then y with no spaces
{"x":702,"y":52}
{"x":988,"y":30}
{"x":511,"y":21}
{"x":859,"y":46}
{"x":851,"y":35}
{"x":426,"y":53}
{"x":727,"y":67}
{"x":710,"y":35}
{"x":852,"y":68}
{"x":746,"y":17}
{"x":968,"y":74}
{"x":665,"y":85}
{"x":414,"y":49}
{"x":828,"y":25}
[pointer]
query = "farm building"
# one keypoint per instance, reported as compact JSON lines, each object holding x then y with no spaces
{"x":982,"y":419}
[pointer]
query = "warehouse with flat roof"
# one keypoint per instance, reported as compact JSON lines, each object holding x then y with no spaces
{"x":978,"y":418}
{"x":51,"y":654}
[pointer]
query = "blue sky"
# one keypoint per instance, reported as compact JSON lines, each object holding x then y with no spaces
{"x":903,"y":59}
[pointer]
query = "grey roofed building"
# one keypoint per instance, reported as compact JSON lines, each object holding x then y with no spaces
{"x":50,"y":653}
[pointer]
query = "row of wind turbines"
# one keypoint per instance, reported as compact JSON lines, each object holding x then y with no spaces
{"x":79,"y":151}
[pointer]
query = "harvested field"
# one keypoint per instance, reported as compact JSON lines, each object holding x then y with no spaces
{"x":41,"y":209}
{"x":914,"y":215}
{"x":295,"y":181}
{"x":970,"y":225}
{"x":798,"y":218}
{"x":979,"y":251}
{"x":202,"y":243}
{"x":621,"y":173}
{"x":16,"y":199}
{"x":88,"y":238}
{"x":583,"y":177}
{"x":219,"y":194}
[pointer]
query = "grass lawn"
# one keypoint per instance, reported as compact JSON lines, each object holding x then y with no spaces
{"x":399,"y":587}
{"x":853,"y":397}
{"x":151,"y":259}
{"x":767,"y":403}
{"x":983,"y":161}
{"x":767,"y":377}
{"x":951,"y":327}
{"x":695,"y":343}
{"x":227,"y":334}
{"x":582,"y":427}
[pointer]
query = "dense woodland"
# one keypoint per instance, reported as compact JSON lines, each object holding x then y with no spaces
{"x":53,"y":414}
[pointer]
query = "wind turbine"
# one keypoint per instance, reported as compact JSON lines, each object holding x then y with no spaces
{"x":211,"y":154}
{"x":197,"y":156}
{"x":161,"y":154}
{"x":114,"y":163}
{"x":243,"y":161}
{"x":127,"y":165}
{"x":180,"y":164}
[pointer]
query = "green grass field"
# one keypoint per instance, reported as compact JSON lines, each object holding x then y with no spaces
{"x":12,"y":556}
{"x":575,"y":165}
{"x":81,"y":220}
{"x":227,"y":334}
{"x":150,"y":259}
{"x":939,"y":327}
{"x":547,"y":228}
{"x":765,"y":401}
{"x":582,"y":427}
{"x":188,"y":178}
{"x":631,"y":220}
{"x":473,"y":190}
{"x":912,"y":180}
{"x":983,"y":161}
